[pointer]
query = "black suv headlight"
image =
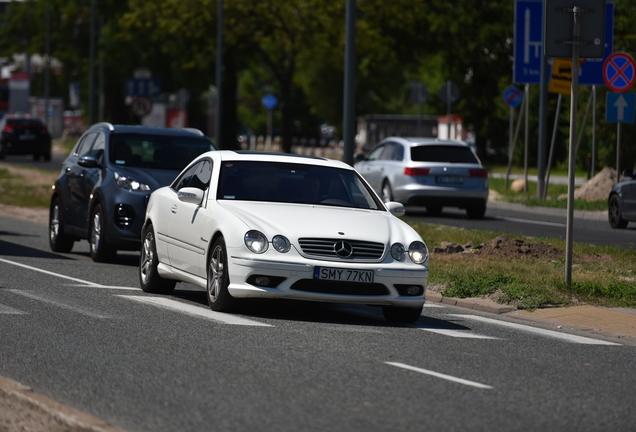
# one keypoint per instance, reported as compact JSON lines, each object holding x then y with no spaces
{"x":129,"y":183}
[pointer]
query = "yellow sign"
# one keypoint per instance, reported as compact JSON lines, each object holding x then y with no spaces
{"x":561,"y":76}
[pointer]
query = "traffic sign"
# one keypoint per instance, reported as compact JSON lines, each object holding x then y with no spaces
{"x":528,"y":45}
{"x":150,"y":87}
{"x":512,"y":96}
{"x":269,"y":101}
{"x":619,"y":72}
{"x":619,"y":107}
{"x":449,"y":93}
{"x":141,"y":105}
{"x":558,"y":28}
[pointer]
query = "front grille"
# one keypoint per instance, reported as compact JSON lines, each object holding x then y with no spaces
{"x":342,"y":288}
{"x":339,"y":249}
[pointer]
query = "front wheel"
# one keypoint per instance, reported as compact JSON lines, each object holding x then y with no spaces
{"x":149,"y":278}
{"x":404,"y":315}
{"x":58,"y":240}
{"x":219,"y":298}
{"x":615,"y":214}
{"x":100,"y":250}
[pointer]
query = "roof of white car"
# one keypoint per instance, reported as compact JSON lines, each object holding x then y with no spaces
{"x":226,"y":155}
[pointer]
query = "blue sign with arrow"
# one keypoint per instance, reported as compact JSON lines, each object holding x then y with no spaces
{"x":620,"y":107}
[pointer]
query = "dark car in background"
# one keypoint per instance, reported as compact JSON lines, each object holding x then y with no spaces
{"x":427,"y":172}
{"x":105,"y":182}
{"x":20,"y":135}
{"x":622,"y":201}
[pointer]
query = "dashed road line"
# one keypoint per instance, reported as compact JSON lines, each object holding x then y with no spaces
{"x":59,"y":304}
{"x":194,"y":310}
{"x":10,"y":311}
{"x":466,"y":334}
{"x":441,"y":375}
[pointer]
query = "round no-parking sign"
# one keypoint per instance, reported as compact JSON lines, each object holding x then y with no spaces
{"x":619,"y":72}
{"x":512,"y":96}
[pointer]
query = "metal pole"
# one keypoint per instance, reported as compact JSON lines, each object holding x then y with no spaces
{"x":525,"y":140}
{"x":511,"y":150}
{"x":91,"y":62}
{"x":349,"y":123}
{"x":100,"y":74}
{"x":593,"y":129}
{"x":219,"y":74}
{"x":618,"y":151}
{"x":572,"y":155}
{"x":47,"y":65}
{"x":554,"y":131}
{"x":541,"y":147}
{"x":448,"y":109}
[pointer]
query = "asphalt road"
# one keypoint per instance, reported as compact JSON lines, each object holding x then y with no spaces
{"x":85,"y":335}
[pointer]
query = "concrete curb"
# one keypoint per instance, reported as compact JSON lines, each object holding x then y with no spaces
{"x":481,"y":305}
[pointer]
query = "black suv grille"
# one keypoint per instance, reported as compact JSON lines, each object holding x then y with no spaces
{"x":356,"y":250}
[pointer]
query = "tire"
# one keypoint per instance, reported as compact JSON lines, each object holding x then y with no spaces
{"x":434,"y":210}
{"x":219,"y":298}
{"x":387,"y":192}
{"x":100,"y":250}
{"x":476,"y":212}
{"x":149,"y":278}
{"x":404,"y":315}
{"x":615,"y":214}
{"x":58,"y":240}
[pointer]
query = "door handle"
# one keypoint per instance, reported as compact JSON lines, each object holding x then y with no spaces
{"x":174,"y":209}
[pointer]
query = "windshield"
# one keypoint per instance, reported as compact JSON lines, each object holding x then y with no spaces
{"x":168,"y":152}
{"x":294,"y":183}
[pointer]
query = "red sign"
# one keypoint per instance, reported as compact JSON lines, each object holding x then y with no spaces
{"x":141,"y":105}
{"x":619,"y":72}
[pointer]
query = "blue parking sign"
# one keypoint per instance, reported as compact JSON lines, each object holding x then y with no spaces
{"x":528,"y":45}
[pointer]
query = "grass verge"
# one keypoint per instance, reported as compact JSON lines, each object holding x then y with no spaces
{"x":18,"y":190}
{"x":601,"y":275}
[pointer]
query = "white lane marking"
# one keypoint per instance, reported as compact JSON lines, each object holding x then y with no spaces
{"x":440,"y":375}
{"x":194,"y":310}
{"x":554,"y":224}
{"x":58,"y":304}
{"x":81,"y":281}
{"x":536,"y":330}
{"x":9,"y":310}
{"x":467,"y":334}
{"x":105,"y":287}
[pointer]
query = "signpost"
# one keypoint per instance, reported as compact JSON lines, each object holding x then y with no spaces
{"x":150,"y":87}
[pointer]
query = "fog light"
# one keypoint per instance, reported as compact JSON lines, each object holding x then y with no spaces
{"x":262,"y":281}
{"x":413,"y":290}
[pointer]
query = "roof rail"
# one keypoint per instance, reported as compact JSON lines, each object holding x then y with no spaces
{"x":195,"y":130}
{"x":106,"y":124}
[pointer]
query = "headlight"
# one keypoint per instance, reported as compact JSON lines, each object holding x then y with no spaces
{"x":256,"y":241}
{"x":130,"y":184}
{"x":398,"y":252}
{"x":281,"y":244}
{"x":418,"y":252}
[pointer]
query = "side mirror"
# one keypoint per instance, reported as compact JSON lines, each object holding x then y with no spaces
{"x":359,"y":157}
{"x":88,"y":162}
{"x":395,"y":208}
{"x":190,"y":195}
{"x":629,"y":172}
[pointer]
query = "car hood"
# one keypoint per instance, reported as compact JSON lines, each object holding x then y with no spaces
{"x":302,"y":220}
{"x":154,"y":178}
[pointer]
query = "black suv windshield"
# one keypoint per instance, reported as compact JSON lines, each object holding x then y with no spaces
{"x":168,"y":152}
{"x":294,"y":183}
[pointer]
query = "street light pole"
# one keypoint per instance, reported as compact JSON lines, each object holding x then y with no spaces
{"x":349,"y":124}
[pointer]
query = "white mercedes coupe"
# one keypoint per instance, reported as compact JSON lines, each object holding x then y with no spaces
{"x":246,"y":224}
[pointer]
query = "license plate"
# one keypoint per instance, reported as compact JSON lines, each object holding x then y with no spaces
{"x":450,"y":179}
{"x":343,"y":275}
{"x":26,"y":137}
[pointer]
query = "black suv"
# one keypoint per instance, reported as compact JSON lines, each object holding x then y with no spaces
{"x":23,"y":136}
{"x":104,"y":186}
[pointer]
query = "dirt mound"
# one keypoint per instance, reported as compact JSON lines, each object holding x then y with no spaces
{"x":504,"y":248}
{"x":597,"y":188}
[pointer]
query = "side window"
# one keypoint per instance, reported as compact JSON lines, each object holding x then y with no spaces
{"x":97,"y":151}
{"x":84,"y":146}
{"x":375,"y":153}
{"x":389,"y":149}
{"x":398,"y":154}
{"x":197,"y":176}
